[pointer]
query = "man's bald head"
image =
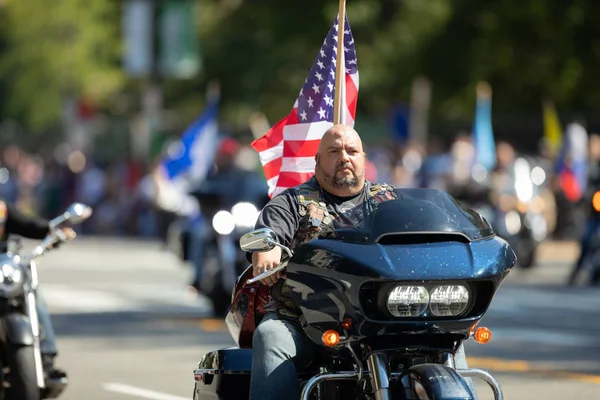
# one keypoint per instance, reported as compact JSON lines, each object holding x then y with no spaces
{"x":339,"y":131}
{"x":340,"y":161}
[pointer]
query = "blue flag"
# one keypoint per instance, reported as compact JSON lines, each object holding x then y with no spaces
{"x":189,"y":159}
{"x":483,"y":134}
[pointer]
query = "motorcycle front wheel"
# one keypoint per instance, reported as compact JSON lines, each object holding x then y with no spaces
{"x":22,"y":376}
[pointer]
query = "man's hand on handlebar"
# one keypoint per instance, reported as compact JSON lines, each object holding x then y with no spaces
{"x":63,"y":235}
{"x":266,"y":261}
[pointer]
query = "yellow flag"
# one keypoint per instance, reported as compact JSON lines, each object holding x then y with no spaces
{"x":552,"y":128}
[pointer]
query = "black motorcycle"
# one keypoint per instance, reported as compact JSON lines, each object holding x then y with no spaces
{"x":228,"y":222}
{"x":517,"y":214}
{"x":390,"y":301}
{"x":20,"y":332}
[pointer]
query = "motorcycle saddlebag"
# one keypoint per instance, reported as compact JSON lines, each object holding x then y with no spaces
{"x":223,"y":374}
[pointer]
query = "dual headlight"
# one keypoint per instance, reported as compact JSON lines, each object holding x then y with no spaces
{"x":242,"y":216}
{"x":442,"y":301}
{"x":10,"y":273}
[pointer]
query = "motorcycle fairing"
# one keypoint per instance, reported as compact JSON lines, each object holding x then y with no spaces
{"x":333,"y":280}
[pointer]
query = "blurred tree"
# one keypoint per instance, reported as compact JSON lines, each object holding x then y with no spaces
{"x":527,"y":50}
{"x":261,"y":51}
{"x":54,"y":50}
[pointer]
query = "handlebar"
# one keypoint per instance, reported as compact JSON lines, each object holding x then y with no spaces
{"x":270,"y":272}
{"x":59,"y":235}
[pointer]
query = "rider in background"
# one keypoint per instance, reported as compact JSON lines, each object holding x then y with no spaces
{"x":593,"y":217}
{"x":14,"y":222}
{"x":227,"y":184}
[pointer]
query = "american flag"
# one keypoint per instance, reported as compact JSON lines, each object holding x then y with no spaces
{"x":288,"y":149}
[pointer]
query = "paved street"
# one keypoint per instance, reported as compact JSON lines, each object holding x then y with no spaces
{"x":127,"y":329}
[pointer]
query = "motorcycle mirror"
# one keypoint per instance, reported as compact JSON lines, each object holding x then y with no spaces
{"x":76,"y":213}
{"x":263,"y":239}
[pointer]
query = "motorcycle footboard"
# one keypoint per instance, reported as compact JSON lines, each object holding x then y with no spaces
{"x":223,"y":374}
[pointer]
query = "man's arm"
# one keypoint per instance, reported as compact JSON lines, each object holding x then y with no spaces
{"x":265,"y":261}
{"x":25,"y":225}
{"x":281,"y":216}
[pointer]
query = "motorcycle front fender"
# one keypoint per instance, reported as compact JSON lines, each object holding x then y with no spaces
{"x":441,"y":382}
{"x":17,"y":329}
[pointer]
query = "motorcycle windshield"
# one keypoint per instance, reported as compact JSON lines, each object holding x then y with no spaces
{"x":417,"y":211}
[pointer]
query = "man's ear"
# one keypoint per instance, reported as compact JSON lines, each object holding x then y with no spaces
{"x":317,"y":158}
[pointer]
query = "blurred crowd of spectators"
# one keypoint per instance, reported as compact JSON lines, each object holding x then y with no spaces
{"x":122,"y":192}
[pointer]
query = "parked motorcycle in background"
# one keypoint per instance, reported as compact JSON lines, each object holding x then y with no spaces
{"x":20,"y":353}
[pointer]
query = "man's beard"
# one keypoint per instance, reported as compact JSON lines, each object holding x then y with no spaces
{"x":342,"y":182}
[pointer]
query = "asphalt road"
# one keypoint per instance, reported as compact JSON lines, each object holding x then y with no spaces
{"x":128,"y":330}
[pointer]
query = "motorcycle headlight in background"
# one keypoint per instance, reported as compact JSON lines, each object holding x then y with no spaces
{"x":538,"y":226}
{"x":538,"y":175}
{"x":10,"y":273}
{"x":449,"y":301}
{"x":408,"y":301}
{"x":245,"y":215}
{"x":512,"y":222}
{"x":523,"y":184}
{"x":223,"y":222}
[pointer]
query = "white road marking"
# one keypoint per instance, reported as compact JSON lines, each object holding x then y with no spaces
{"x":64,"y":297}
{"x":139,"y":392}
{"x":122,"y":297}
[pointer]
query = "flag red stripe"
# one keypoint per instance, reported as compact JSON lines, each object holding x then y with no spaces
{"x":293,"y":117}
{"x":291,"y":179}
{"x":272,"y":168}
{"x":351,"y":95}
{"x":300,"y":148}
{"x":273,"y":136}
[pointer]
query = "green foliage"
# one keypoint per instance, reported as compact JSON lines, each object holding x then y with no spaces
{"x":58,"y":48}
{"x":261,"y":50}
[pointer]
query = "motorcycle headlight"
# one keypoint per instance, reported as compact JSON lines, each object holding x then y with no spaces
{"x":244,"y":215}
{"x":512,"y":222}
{"x":223,"y":222}
{"x":407,"y":301}
{"x":449,"y":301}
{"x":10,"y":273}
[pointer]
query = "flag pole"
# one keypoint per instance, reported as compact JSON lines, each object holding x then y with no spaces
{"x":338,"y":114}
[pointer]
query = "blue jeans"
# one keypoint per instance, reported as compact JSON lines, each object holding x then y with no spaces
{"x":280,"y":348}
{"x":48,"y":338}
{"x":199,"y":236}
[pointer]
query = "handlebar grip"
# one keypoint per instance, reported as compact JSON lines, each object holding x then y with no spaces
{"x":267,"y":273}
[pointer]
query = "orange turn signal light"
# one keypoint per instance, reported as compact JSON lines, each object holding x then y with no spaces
{"x":346,"y":323}
{"x":596,"y":201}
{"x":330,"y":338}
{"x":482,"y":335}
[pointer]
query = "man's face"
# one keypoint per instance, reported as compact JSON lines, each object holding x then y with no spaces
{"x":342,"y":162}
